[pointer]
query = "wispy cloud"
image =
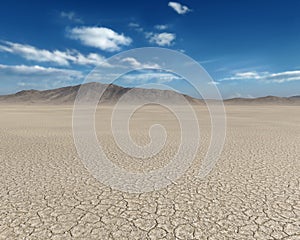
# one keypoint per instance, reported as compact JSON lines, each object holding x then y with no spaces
{"x":63,"y":58}
{"x":279,"y":77}
{"x":23,"y":76}
{"x":100,"y":37}
{"x":39,"y":70}
{"x":71,"y":16}
{"x":213,"y":83}
{"x":148,"y":76}
{"x":179,"y":8}
{"x":136,"y":26}
{"x":207,"y":61}
{"x":239,"y":95}
{"x":133,"y":25}
{"x":161,"y":39}
{"x":161,"y":27}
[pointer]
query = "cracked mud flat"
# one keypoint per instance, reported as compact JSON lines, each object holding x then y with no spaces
{"x":252,"y":193}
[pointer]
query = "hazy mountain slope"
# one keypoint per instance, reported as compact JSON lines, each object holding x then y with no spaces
{"x":67,"y":95}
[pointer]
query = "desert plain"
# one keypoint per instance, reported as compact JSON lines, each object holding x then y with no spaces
{"x":253,"y":192}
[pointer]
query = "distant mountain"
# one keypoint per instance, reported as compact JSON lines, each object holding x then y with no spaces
{"x":295,"y":97}
{"x":294,"y":100}
{"x":112,"y":94}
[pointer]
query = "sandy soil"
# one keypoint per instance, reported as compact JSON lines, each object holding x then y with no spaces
{"x":252,"y":193}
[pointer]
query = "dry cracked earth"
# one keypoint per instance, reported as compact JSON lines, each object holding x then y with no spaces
{"x":253,"y":193}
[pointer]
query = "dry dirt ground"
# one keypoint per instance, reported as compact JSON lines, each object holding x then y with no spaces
{"x":252,"y":193}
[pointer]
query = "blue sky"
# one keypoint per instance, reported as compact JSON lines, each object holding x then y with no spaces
{"x":250,"y":48}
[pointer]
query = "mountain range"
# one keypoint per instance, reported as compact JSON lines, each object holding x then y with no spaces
{"x":67,"y":95}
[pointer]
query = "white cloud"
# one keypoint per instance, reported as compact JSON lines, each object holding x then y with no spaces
{"x":58,"y":57}
{"x":132,"y":61}
{"x":71,"y":16}
{"x":100,"y":37}
{"x":180,"y":9}
{"x":35,"y":54}
{"x":161,"y":27}
{"x":91,"y":59}
{"x":161,"y":39}
{"x":268,"y":77}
